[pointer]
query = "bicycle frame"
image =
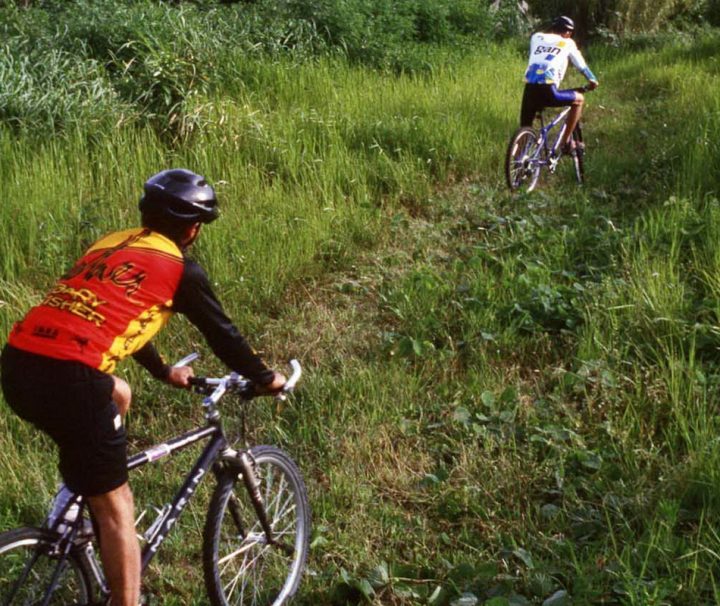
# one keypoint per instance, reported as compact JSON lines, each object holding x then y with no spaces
{"x":167,"y":517}
{"x":530,"y":149}
{"x":217,"y":449}
{"x":549,"y":157}
{"x":217,"y":456}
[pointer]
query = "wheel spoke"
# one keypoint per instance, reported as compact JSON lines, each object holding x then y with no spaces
{"x":230,"y":587}
{"x":279,"y":493}
{"x":522,"y":163}
{"x":243,"y":569}
{"x":269,"y":479}
{"x":287,"y":508}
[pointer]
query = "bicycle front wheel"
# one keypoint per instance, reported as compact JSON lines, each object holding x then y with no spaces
{"x":241,"y":565}
{"x":522,"y":160}
{"x":28,"y":565}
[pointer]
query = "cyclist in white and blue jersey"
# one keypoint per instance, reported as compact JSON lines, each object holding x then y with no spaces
{"x":550,"y":53}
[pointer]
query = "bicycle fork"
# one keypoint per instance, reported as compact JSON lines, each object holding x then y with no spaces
{"x":252,"y":484}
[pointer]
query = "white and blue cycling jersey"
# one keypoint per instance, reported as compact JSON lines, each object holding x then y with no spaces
{"x":549,"y":56}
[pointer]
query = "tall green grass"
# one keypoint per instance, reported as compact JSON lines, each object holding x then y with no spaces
{"x":309,"y":161}
{"x":512,"y":398}
{"x":111,"y":62}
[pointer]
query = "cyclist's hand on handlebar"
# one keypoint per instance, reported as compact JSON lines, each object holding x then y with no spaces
{"x":274,"y":387}
{"x":179,"y":376}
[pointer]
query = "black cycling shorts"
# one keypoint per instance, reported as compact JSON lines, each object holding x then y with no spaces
{"x":72,"y":403}
{"x":538,"y":96}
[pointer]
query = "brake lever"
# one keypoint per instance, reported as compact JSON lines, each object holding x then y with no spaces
{"x":187,"y":360}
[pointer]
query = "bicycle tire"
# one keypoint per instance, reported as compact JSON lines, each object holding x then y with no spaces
{"x":27,"y":552}
{"x":521,"y":171}
{"x":579,"y":155}
{"x":240,"y":568}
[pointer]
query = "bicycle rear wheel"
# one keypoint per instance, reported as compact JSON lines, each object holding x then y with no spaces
{"x":241,"y":566}
{"x":522,"y":160}
{"x":28,"y":564}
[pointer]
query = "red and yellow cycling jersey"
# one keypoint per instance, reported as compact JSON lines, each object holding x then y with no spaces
{"x":109,"y":305}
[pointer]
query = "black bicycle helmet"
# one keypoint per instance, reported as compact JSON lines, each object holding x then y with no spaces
{"x":179,"y":196}
{"x":563,"y":24}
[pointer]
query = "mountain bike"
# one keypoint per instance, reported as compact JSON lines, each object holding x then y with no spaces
{"x":529,"y":151}
{"x":255,"y":538}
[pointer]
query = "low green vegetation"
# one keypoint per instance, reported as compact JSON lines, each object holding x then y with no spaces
{"x":507,"y":400}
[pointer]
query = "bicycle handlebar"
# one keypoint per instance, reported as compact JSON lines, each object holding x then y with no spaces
{"x":294,"y":377}
{"x":216,"y":387}
{"x":585,"y":89}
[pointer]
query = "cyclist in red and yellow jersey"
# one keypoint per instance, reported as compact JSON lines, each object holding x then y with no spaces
{"x":57,"y":365}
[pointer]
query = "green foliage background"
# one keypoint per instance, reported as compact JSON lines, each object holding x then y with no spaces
{"x":508,"y":400}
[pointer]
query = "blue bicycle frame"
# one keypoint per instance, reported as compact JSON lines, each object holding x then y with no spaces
{"x":550,"y":156}
{"x":530,"y":150}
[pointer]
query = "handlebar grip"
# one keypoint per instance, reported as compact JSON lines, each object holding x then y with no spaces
{"x":291,"y":382}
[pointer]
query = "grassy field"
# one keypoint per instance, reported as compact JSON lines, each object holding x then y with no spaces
{"x":508,"y":400}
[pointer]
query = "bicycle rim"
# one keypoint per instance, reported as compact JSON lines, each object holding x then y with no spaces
{"x":522,"y":161}
{"x":27,"y":566}
{"x":241,"y":567}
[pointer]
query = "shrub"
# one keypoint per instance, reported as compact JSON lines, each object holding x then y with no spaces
{"x":160,"y":60}
{"x":469,"y":17}
{"x":712,"y":11}
{"x":156,"y":55}
{"x":627,"y":16}
{"x":50,"y":90}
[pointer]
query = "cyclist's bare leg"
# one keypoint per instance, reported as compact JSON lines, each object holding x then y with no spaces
{"x":119,"y":548}
{"x":121,"y":395}
{"x":573,"y":118}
